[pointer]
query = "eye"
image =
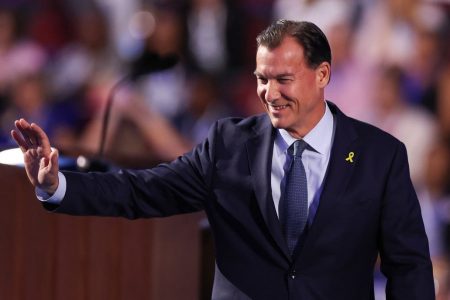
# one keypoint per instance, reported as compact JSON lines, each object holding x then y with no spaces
{"x":284,"y":80}
{"x":262,"y":80}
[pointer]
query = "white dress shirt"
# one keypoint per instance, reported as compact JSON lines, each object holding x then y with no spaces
{"x":315,"y":159}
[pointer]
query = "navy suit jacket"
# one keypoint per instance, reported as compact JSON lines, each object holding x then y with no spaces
{"x":367,"y":207}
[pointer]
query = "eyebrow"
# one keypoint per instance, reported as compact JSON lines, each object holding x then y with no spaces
{"x":256,"y":73}
{"x":284,"y":75}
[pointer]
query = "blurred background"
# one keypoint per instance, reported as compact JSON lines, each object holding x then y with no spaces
{"x":59,"y":60}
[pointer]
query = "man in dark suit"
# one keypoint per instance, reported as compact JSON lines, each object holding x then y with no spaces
{"x":289,"y":222}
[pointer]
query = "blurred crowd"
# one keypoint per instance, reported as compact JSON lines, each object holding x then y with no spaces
{"x":59,"y":60}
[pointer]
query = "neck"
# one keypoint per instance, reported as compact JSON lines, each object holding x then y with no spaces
{"x":313,"y":119}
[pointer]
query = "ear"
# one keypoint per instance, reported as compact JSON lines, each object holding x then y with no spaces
{"x":323,"y":73}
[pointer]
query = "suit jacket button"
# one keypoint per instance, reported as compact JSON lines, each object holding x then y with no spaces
{"x":292,"y":274}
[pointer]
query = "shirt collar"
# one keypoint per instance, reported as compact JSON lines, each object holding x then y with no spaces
{"x":319,"y":138}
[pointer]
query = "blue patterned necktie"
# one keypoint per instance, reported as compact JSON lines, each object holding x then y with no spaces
{"x":294,"y":206}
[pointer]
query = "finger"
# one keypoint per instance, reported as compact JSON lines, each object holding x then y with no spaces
{"x":23,"y":123}
{"x":40,"y":136}
{"x":18,"y":138}
{"x":23,"y":127}
{"x":20,"y":128}
{"x":30,"y":133}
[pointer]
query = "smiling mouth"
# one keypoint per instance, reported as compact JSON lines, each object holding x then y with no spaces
{"x":278,"y":107}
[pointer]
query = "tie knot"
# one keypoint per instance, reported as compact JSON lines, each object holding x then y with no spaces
{"x":298,"y":147}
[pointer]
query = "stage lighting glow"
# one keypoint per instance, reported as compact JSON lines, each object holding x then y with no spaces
{"x":12,"y":157}
{"x":142,"y":24}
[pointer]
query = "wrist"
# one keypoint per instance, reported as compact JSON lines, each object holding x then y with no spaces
{"x":51,"y":195}
{"x":50,"y":190}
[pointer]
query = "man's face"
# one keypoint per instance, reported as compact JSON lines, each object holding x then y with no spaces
{"x":290,"y":91}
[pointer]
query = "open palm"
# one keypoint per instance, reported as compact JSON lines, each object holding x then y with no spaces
{"x":41,"y":161}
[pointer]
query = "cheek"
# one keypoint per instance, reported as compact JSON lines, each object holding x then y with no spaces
{"x":261,"y":92}
{"x":290,"y":93}
{"x":304,"y":90}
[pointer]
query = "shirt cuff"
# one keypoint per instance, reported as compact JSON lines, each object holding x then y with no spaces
{"x":59,"y":194}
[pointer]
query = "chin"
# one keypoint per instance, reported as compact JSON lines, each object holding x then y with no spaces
{"x":277,"y":123}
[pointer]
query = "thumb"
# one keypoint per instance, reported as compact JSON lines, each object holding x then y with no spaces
{"x":53,"y":165}
{"x":43,"y":163}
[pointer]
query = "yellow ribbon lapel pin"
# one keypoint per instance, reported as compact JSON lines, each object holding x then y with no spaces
{"x":350,"y":157}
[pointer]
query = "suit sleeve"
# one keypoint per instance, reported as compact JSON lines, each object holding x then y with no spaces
{"x":178,"y":187}
{"x":405,"y":259}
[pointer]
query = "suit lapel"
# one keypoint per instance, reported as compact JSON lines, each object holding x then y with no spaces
{"x":339,"y":172}
{"x":259,"y":151}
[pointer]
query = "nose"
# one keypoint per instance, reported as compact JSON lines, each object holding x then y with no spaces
{"x":272,"y":91}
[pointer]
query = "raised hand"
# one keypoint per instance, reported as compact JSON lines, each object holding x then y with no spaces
{"x":41,"y":161}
